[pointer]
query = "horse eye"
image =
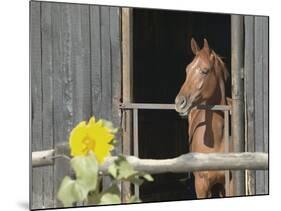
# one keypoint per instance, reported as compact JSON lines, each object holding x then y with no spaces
{"x":204,"y":71}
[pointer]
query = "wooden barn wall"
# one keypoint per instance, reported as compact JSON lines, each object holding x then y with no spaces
{"x":256,"y":96}
{"x":75,"y":69}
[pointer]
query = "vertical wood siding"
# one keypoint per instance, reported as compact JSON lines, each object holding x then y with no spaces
{"x":36,"y":100}
{"x":256,"y":88}
{"x":75,"y":73}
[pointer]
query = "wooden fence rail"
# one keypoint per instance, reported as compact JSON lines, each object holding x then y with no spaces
{"x":198,"y":162}
{"x":184,"y":163}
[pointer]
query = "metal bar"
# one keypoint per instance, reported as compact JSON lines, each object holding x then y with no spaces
{"x":147,"y":106}
{"x":237,"y":119}
{"x":226,"y":150}
{"x":152,"y":106}
{"x":136,"y":143}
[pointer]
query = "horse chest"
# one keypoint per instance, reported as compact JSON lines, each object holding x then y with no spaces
{"x":206,"y":131}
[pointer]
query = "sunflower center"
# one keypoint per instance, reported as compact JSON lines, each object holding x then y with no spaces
{"x":90,"y":144}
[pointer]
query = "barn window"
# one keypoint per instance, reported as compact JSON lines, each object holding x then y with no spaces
{"x":159,"y":45}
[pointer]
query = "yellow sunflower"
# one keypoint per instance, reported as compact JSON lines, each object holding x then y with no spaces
{"x":94,"y":136}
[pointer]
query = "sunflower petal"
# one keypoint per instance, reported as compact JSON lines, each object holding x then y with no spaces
{"x":77,"y":135}
{"x":102,"y":151}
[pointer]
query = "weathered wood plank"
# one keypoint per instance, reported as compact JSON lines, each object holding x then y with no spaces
{"x":115,"y":41}
{"x":47,"y":91}
{"x":249,"y":96}
{"x":96,"y":62}
{"x":63,"y":85}
{"x":80,"y":62}
{"x":106,"y":79}
{"x":96,"y":73}
{"x":127,"y":88}
{"x":259,"y":100}
{"x":237,"y":120}
{"x":249,"y":80}
{"x":265,"y":93}
{"x":36,"y":102}
{"x":105,"y":63}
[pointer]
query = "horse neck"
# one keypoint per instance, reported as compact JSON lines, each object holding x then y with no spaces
{"x":218,"y":97}
{"x":197,"y":116}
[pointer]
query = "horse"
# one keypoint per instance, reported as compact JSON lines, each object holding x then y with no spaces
{"x":205,"y":82}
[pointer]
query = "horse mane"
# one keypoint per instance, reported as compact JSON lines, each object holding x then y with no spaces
{"x":219,"y":62}
{"x":222,"y":73}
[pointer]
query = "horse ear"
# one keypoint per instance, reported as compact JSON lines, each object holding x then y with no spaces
{"x":194,"y":46}
{"x":206,"y":44}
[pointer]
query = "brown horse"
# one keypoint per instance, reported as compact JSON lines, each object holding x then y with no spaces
{"x":204,"y":84}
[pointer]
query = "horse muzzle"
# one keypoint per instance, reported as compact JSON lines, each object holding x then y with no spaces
{"x":182,"y":105}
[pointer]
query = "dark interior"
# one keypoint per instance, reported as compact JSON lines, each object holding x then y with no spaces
{"x":161,"y":51}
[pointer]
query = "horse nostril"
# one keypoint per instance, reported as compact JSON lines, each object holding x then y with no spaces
{"x":181,"y":101}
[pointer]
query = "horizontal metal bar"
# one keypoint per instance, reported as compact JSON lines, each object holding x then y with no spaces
{"x":147,"y":106}
{"x":151,"y":106}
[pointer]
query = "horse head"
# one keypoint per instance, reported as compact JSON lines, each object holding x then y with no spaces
{"x":205,"y":79}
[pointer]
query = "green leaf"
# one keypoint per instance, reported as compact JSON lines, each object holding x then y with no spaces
{"x":125,"y":170}
{"x":111,"y":196}
{"x":80,"y":190}
{"x":93,"y":198}
{"x":121,"y":169}
{"x":65,"y":193}
{"x":113,"y":170}
{"x":145,"y":176}
{"x":148,"y":177}
{"x":135,"y":180}
{"x":114,"y":142}
{"x":70,"y":192}
{"x":86,"y":170}
{"x":109,"y":125}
